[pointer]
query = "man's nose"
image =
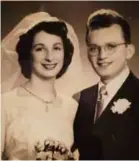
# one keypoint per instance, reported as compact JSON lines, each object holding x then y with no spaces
{"x":103,"y":53}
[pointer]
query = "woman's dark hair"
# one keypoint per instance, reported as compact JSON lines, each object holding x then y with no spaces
{"x":106,"y":20}
{"x":24,"y":46}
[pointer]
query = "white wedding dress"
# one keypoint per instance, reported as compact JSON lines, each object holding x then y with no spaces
{"x":28,"y":121}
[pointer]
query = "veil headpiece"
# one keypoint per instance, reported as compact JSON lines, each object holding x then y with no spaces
{"x":11,"y":72}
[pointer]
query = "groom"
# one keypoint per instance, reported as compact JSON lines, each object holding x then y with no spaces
{"x":107,"y":121}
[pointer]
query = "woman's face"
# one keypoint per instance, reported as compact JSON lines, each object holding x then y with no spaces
{"x":47,"y":55}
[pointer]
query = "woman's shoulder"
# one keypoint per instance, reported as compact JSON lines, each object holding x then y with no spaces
{"x":69,"y":100}
{"x":10,"y":99}
{"x":9,"y":95}
{"x":69,"y":105}
{"x":76,"y":96}
{"x":15,"y":93}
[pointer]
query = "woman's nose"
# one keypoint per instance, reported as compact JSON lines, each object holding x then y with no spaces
{"x":49,"y":56}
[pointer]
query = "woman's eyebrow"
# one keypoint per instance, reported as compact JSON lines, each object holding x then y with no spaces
{"x":58,"y":43}
{"x":38,"y":44}
{"x":92,"y":44}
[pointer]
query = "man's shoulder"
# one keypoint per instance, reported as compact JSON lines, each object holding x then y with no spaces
{"x":133,"y":88}
{"x":132,"y":83}
{"x":136,"y":81}
{"x":129,"y":89}
{"x":85,"y":91}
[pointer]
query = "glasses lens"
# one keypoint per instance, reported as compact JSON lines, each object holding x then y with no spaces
{"x":93,"y":50}
{"x":110,"y":47}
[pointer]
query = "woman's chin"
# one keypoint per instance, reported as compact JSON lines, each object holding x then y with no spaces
{"x":50,"y":76}
{"x":47,"y":76}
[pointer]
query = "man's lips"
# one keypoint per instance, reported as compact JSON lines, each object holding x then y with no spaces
{"x":49,"y":66}
{"x":104,"y":64}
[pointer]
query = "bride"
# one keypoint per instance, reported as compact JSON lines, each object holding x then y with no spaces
{"x":34,"y":112}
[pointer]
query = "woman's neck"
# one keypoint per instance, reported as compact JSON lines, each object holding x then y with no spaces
{"x":41,"y":87}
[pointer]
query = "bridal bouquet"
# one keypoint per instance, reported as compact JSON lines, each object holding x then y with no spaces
{"x":53,"y":150}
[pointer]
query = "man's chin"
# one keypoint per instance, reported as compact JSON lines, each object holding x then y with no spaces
{"x":107,"y":78}
{"x":104,"y":76}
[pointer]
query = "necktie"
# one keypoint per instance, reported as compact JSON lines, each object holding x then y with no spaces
{"x":100,"y":101}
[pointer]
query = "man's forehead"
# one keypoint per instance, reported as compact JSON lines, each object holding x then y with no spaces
{"x":112,"y":33}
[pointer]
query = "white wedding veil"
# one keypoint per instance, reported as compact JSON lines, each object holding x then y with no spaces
{"x":11,"y":75}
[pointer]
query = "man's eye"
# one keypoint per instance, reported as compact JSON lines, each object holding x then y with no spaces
{"x":111,"y":46}
{"x":93,"y":49}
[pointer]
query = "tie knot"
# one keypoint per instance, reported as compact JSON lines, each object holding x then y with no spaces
{"x":103,"y":91}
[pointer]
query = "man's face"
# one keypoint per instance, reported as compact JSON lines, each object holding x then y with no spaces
{"x":107,"y":51}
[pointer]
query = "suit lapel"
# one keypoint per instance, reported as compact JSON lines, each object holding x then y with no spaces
{"x":88,"y":98}
{"x":123,"y":93}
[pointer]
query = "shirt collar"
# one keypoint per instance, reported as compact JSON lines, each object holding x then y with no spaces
{"x":113,"y":86}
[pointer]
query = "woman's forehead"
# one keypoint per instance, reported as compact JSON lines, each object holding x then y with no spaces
{"x":46,"y":38}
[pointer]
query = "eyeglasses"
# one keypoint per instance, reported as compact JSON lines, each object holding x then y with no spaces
{"x":110,"y":48}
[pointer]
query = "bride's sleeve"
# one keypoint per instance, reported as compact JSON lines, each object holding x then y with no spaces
{"x":3,"y":128}
{"x":5,"y":102}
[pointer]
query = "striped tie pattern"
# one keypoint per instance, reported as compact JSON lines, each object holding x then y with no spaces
{"x":100,"y":101}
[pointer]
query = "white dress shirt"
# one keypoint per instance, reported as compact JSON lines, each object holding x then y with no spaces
{"x":113,"y":86}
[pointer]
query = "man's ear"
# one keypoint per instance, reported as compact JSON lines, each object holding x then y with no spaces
{"x":130,"y":51}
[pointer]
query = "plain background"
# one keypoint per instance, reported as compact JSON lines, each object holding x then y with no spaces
{"x":76,"y":13}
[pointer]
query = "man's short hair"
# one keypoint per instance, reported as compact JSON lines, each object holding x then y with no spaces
{"x":105,"y":18}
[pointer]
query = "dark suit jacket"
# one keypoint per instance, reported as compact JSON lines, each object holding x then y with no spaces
{"x":113,"y":136}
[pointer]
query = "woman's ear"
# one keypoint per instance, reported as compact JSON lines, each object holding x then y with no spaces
{"x":130,"y":51}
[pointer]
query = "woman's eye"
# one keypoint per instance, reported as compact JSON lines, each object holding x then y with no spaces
{"x":39,"y":49}
{"x":57,"y":48}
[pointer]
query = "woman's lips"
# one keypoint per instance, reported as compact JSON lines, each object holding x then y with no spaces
{"x":49,"y":66}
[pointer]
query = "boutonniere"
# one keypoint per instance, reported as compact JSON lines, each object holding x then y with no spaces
{"x":120,"y":106}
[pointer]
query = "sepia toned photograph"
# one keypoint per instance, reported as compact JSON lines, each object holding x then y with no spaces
{"x":69,"y":80}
